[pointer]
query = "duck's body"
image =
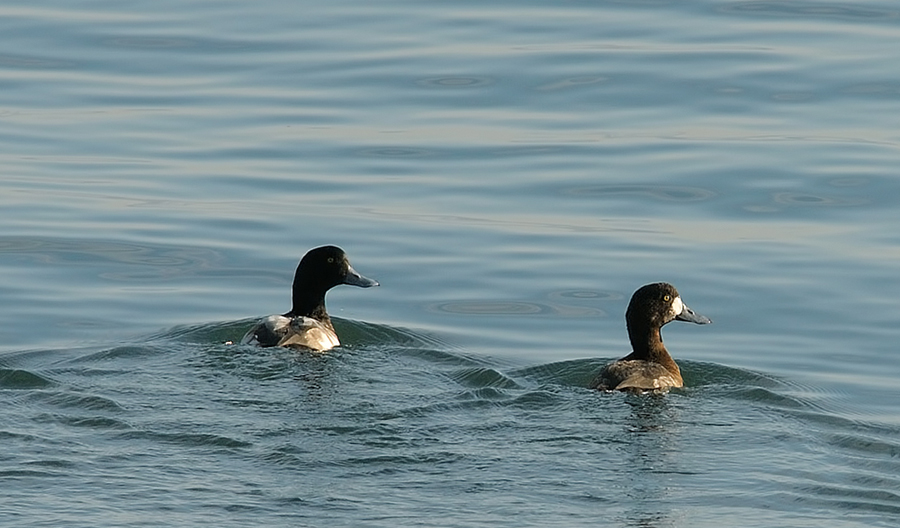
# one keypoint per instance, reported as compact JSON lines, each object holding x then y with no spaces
{"x":649,"y":367}
{"x":637,"y":375}
{"x":299,"y":331}
{"x":308,"y":325}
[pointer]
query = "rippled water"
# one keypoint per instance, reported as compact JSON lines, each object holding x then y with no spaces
{"x":509,"y":173}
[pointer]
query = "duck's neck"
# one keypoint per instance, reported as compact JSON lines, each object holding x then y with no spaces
{"x":309,"y":301}
{"x":647,"y":344}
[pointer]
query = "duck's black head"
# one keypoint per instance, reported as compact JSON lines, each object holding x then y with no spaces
{"x":656,"y":304}
{"x":320,"y":270}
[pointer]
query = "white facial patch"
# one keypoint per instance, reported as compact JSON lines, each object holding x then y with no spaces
{"x":677,"y":306}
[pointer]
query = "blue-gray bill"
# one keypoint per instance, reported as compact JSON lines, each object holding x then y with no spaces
{"x":353,"y":278}
{"x":691,"y":316}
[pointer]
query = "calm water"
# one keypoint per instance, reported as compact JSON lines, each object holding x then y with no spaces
{"x":510,"y":172}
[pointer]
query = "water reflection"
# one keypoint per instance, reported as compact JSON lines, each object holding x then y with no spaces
{"x":599,"y":295}
{"x":885,"y":88}
{"x":395,"y":152}
{"x":154,"y":261}
{"x":793,"y":97}
{"x":814,"y":200}
{"x":806,"y":10}
{"x":26,"y":62}
{"x":571,"y":82}
{"x":513,"y":308}
{"x":658,"y":192}
{"x":455,"y":82}
{"x":849,"y":181}
{"x":150,"y":43}
{"x":649,"y":447}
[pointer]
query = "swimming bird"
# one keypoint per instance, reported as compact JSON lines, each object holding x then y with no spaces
{"x":649,"y":367}
{"x":308,"y":325}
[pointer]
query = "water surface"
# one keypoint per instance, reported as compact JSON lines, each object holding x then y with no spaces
{"x":510,"y":173}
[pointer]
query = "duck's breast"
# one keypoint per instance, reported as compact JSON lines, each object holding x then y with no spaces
{"x":636,"y":375}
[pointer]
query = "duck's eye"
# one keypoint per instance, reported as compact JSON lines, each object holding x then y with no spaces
{"x":667,"y":298}
{"x":331,"y":260}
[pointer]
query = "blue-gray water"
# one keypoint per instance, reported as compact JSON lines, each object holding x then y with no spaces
{"x":510,"y":172}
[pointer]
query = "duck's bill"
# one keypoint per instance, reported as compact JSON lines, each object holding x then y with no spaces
{"x":355,"y":279}
{"x":691,"y":316}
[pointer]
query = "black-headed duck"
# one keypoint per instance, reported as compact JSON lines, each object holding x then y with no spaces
{"x":308,"y":325}
{"x":649,"y":367}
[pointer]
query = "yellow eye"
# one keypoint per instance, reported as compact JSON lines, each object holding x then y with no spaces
{"x":667,"y":298}
{"x":331,"y":260}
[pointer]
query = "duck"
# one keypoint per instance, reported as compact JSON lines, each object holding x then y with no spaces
{"x":307,"y":325}
{"x":649,"y":367}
